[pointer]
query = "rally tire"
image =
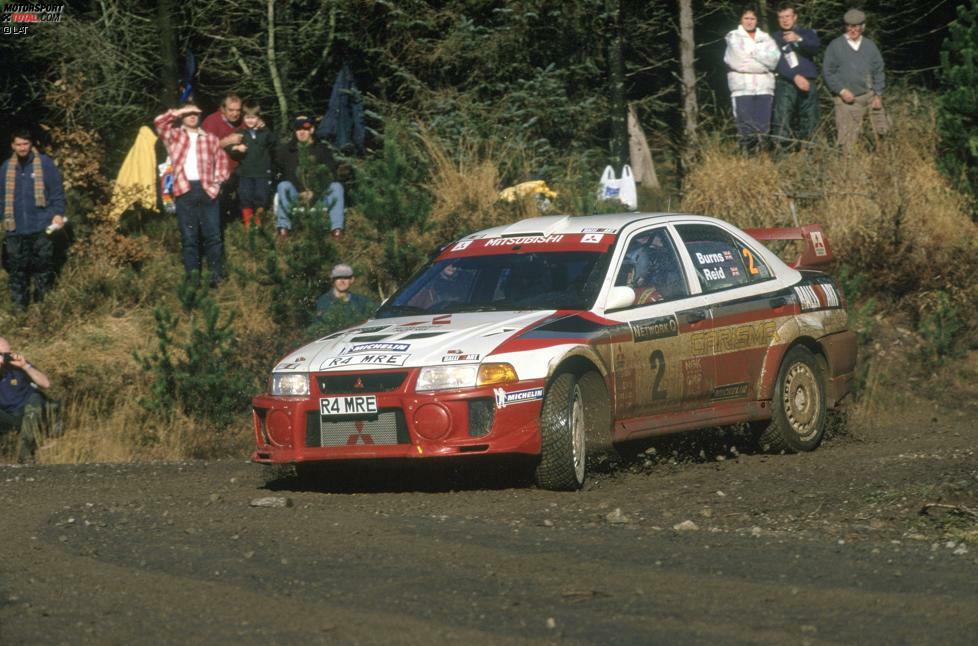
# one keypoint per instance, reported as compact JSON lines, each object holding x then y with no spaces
{"x":563,"y":454}
{"x":799,"y":405}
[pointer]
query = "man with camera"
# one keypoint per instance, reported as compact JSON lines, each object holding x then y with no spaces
{"x":21,"y":403}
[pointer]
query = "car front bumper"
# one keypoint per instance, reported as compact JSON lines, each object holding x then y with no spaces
{"x":472,"y":421}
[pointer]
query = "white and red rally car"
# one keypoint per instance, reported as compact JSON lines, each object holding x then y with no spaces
{"x":556,"y":334}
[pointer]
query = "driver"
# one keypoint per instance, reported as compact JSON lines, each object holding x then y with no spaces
{"x":656,"y":276}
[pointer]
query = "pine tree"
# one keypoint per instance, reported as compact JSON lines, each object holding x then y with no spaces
{"x":392,"y":199}
{"x":957,"y":116}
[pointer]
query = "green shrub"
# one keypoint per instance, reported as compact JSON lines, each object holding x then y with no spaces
{"x":940,"y":325}
{"x":196,"y":367}
{"x":958,"y":101}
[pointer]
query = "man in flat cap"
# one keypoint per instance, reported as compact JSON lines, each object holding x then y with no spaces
{"x":853,"y":69}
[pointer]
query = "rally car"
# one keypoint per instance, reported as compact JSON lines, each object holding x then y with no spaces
{"x":556,"y":335}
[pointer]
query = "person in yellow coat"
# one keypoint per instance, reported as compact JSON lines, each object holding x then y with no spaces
{"x":136,"y":182}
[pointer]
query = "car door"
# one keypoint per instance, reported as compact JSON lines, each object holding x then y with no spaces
{"x":745,"y":308}
{"x":649,"y":371}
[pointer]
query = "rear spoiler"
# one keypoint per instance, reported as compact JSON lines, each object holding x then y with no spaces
{"x":816,"y":252}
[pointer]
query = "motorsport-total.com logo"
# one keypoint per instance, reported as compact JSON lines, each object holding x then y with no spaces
{"x":16,"y":18}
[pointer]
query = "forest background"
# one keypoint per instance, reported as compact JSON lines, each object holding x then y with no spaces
{"x":463,"y":98}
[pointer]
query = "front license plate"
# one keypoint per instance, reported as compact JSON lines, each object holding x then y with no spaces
{"x":349,"y":405}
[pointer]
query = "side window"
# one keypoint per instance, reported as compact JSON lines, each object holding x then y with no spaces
{"x":651,"y":267}
{"x":721,"y":261}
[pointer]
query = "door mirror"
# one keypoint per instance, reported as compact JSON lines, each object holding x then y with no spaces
{"x":619,"y":297}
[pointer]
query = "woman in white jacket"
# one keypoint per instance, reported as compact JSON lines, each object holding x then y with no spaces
{"x":751,"y":57}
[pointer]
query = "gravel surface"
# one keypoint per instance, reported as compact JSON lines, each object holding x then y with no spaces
{"x":871,"y":539}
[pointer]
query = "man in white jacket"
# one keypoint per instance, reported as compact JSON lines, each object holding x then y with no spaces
{"x":751,"y":58}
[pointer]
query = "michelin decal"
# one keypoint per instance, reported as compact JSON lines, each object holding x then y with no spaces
{"x":504,"y":399}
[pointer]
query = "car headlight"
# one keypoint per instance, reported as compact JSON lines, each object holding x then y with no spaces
{"x":467,"y":376}
{"x":290,"y":384}
{"x":446,"y":377}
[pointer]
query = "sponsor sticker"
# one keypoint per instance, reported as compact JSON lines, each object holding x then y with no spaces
{"x":807,"y":298}
{"x":504,"y":399}
{"x":464,"y":244}
{"x":376,"y":347}
{"x":450,"y":358}
{"x":365,"y":359}
{"x":818,"y":243}
{"x":499,"y":242}
{"x":831,"y":296}
{"x":591,"y":238}
{"x":598,"y":230}
{"x":730,"y":391}
{"x":655,"y":328}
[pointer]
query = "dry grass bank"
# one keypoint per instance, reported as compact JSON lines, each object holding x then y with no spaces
{"x":905,"y":246}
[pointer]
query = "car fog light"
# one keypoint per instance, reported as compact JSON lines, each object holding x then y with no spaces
{"x":432,"y":421}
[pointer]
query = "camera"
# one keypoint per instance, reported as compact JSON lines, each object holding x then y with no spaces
{"x":7,"y":357}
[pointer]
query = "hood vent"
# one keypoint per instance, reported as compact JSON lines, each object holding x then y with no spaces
{"x":420,"y":335}
{"x":502,"y":330}
{"x":369,"y":337}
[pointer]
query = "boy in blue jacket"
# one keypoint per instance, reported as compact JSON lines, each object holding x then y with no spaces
{"x":255,"y":168}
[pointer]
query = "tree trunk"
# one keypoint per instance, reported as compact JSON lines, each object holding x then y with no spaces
{"x":283,"y":104}
{"x":687,"y":58}
{"x":616,"y":63}
{"x":170,"y":76}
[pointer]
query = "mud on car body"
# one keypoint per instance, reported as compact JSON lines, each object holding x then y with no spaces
{"x":555,"y":335}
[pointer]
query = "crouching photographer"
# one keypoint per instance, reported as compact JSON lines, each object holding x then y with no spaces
{"x":21,"y":403}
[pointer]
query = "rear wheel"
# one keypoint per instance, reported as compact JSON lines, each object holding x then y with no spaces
{"x":799,"y":415}
{"x":563,"y":431}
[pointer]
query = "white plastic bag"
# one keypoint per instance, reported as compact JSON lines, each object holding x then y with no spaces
{"x":621,"y":189}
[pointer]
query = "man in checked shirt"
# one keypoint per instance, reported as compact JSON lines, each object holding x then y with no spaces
{"x":200,"y":166}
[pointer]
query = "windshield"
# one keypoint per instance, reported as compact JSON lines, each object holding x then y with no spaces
{"x":527,"y":281}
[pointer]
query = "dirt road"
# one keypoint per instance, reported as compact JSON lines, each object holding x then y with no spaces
{"x":843,"y":545}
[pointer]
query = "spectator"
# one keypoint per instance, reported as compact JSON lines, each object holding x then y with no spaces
{"x":32,"y":200}
{"x":223,"y":124}
{"x":200,"y":166}
{"x":342,"y":279}
{"x":21,"y":404}
{"x":853,"y":69}
{"x":255,"y":170}
{"x":751,"y":58}
{"x":795,"y":92}
{"x":295,"y":161}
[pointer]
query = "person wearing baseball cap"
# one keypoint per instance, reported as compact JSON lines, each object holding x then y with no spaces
{"x":298,"y":189}
{"x":342,"y":278}
{"x":853,"y":69}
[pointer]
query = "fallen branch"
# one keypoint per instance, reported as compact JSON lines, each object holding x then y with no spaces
{"x":958,"y":509}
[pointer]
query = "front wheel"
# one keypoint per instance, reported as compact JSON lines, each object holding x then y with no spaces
{"x":563,"y":429}
{"x":799,"y":415}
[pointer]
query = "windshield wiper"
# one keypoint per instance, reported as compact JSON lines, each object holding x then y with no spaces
{"x":394,"y":310}
{"x":459,"y":308}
